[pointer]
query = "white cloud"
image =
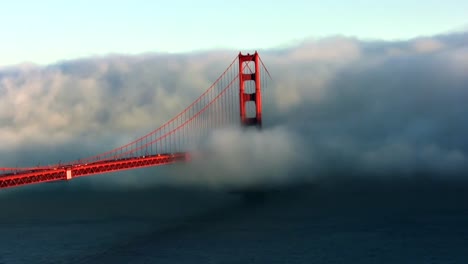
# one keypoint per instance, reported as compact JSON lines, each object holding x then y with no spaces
{"x":344,"y":106}
{"x":426,"y":45}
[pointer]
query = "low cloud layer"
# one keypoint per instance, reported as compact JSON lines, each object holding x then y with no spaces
{"x":337,"y":107}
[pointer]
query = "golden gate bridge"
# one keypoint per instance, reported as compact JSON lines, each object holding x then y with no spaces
{"x":235,"y":98}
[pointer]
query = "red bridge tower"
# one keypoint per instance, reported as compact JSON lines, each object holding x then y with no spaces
{"x":246,"y":73}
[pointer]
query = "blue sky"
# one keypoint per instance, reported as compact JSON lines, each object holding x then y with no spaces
{"x":50,"y":30}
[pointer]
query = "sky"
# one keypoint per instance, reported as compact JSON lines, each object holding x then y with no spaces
{"x":48,"y":31}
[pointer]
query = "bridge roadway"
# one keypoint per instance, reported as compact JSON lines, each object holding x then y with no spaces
{"x":68,"y":172}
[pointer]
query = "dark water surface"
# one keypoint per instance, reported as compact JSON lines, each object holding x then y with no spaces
{"x":392,"y":222}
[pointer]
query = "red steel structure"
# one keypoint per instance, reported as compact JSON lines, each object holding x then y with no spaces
{"x":225,"y":103}
{"x":255,"y":95}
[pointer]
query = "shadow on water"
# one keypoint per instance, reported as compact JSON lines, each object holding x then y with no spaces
{"x":373,"y":222}
{"x":237,"y":208}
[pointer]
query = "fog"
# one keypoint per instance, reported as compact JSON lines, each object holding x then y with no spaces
{"x":337,"y":107}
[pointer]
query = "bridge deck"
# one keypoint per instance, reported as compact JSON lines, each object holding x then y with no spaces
{"x":72,"y":171}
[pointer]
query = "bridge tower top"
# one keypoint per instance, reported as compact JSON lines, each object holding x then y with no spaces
{"x":250,"y":93}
